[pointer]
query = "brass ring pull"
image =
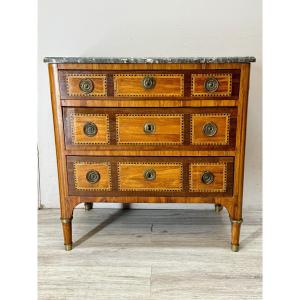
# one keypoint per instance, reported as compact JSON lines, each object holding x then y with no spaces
{"x":148,"y":82}
{"x":93,"y":176}
{"x":150,"y":174}
{"x":208,"y":177}
{"x":90,"y":129}
{"x":210,"y":129}
{"x":211,"y":84}
{"x":86,"y":85}
{"x":149,"y":128}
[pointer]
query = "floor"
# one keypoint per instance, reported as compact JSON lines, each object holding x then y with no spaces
{"x":149,"y":254}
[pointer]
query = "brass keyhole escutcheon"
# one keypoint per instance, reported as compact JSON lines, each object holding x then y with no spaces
{"x":208,"y":177}
{"x":211,"y":84}
{"x":86,"y":85}
{"x":93,"y":176}
{"x":90,"y":129}
{"x":210,"y":129}
{"x":148,"y":82}
{"x":149,"y":128}
{"x":150,"y":174}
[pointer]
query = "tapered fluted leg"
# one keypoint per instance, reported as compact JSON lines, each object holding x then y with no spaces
{"x":67,"y":230}
{"x":235,"y":234}
{"x":88,"y":205}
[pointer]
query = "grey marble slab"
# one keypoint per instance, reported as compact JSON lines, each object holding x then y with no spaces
{"x":148,"y":60}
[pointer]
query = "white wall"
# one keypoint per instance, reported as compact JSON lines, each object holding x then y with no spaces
{"x":150,"y":28}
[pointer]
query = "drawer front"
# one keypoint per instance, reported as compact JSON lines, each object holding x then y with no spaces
{"x":149,"y":85}
{"x":150,"y":176}
{"x":137,"y":176}
{"x":162,"y":85}
{"x":83,"y":85}
{"x":89,"y":129}
{"x":150,"y":129}
{"x":92,"y":176}
{"x":212,"y":85}
{"x":210,"y":129}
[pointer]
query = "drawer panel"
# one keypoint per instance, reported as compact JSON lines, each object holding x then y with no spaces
{"x":210,"y":129}
{"x":149,"y":85}
{"x":150,"y":176}
{"x":89,"y":128}
{"x":212,"y":85}
{"x":136,"y":176}
{"x":150,"y":129}
{"x":84,"y":85}
{"x":92,"y":176}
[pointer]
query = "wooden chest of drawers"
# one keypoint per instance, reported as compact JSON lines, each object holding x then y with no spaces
{"x":150,"y":131}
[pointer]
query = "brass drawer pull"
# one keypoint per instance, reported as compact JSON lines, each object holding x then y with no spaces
{"x":211,"y":84}
{"x":208,"y":177}
{"x":150,"y":174}
{"x":90,"y":129}
{"x":93,"y":176}
{"x":86,"y":85}
{"x":149,"y":128}
{"x":210,"y":129}
{"x":148,"y":82}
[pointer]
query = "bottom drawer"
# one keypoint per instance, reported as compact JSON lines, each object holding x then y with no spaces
{"x":150,"y":176}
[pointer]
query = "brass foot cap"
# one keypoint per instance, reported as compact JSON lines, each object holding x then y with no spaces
{"x":235,"y":248}
{"x":218,"y":208}
{"x":68,"y":247}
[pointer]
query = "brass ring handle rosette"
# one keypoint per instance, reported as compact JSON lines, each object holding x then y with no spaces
{"x":148,"y":82}
{"x":208,"y":177}
{"x":210,"y":129}
{"x":150,"y":174}
{"x":93,"y":176}
{"x":90,"y":129}
{"x":149,"y":127}
{"x":86,"y":85}
{"x":211,"y":84}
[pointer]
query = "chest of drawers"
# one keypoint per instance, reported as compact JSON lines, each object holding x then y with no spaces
{"x":150,"y":130}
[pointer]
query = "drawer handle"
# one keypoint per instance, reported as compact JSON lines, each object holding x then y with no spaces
{"x":90,"y":129}
{"x":150,"y":174}
{"x":93,"y":176}
{"x":86,"y":85}
{"x":210,"y":129}
{"x":148,"y":82}
{"x":208,"y":177}
{"x":149,"y":128}
{"x":211,"y":84}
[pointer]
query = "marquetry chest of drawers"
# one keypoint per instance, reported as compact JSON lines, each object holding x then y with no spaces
{"x":150,"y":130}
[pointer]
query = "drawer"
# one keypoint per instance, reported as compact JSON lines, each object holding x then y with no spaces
{"x":150,"y":176}
{"x":222,"y":84}
{"x":159,"y":129}
{"x":144,"y":176}
{"x":82,"y":84}
{"x":148,"y":85}
{"x":150,"y":129}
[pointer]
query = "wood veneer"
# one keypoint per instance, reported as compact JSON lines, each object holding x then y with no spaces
{"x":114,"y":150}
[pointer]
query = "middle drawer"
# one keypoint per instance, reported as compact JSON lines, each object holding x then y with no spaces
{"x":150,"y":129}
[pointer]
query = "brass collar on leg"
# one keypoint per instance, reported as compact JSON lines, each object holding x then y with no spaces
{"x":66,"y":220}
{"x":240,"y":221}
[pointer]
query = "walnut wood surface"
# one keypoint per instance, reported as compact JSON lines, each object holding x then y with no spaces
{"x":168,"y":183}
{"x":195,"y":153}
{"x":121,"y":85}
{"x":179,"y":128}
{"x":166,"y":85}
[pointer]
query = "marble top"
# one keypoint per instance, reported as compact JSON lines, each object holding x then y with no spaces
{"x":148,"y":60}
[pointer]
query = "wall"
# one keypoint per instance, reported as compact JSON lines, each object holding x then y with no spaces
{"x":150,"y":28}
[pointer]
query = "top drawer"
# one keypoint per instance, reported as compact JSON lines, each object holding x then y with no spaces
{"x":212,"y":84}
